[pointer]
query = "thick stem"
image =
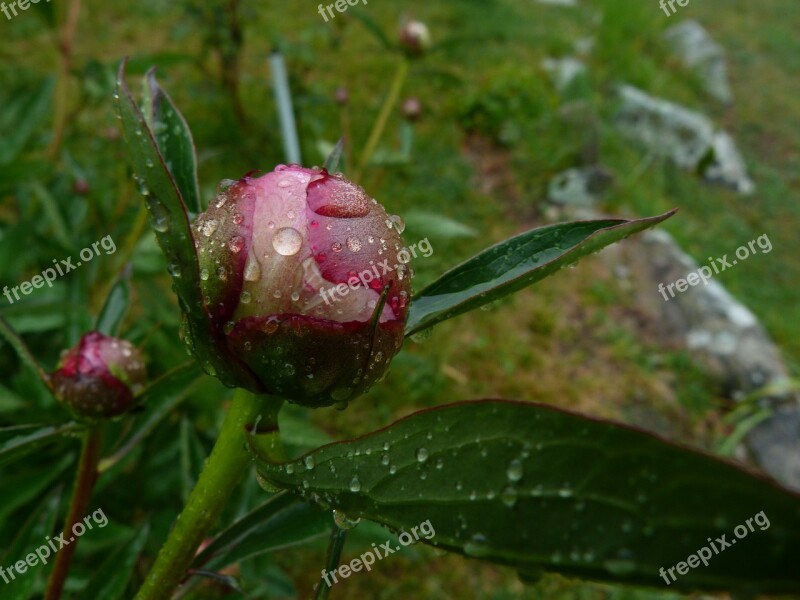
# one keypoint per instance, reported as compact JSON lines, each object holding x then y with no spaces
{"x":228,"y":462}
{"x":84,"y":482}
{"x":380,"y":123}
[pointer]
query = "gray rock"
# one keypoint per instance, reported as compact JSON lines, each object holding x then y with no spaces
{"x":697,"y":50}
{"x":579,"y":187}
{"x":683,"y":136}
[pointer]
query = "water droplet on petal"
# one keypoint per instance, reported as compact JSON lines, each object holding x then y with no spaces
{"x":287,"y":241}
{"x":353,"y":244}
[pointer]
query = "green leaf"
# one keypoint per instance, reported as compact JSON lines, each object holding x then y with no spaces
{"x":514,"y":264}
{"x":16,"y":342}
{"x":542,"y":489}
{"x":159,"y":399}
{"x":22,"y":488}
{"x":374,"y":28}
{"x":16,"y":442}
{"x":22,"y":113}
{"x":335,"y":157}
{"x":175,"y":142}
{"x":51,"y":211}
{"x":280,"y":522}
{"x":112,"y":576}
{"x":169,"y":218}
{"x":115,"y":307}
{"x":437,"y":226}
{"x":31,"y":537}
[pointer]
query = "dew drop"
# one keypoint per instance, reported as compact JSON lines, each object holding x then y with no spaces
{"x":353,"y":244}
{"x":252,"y":271}
{"x":209,"y":227}
{"x":204,"y":274}
{"x":514,"y":471}
{"x":355,"y":484}
{"x":422,"y":455}
{"x":309,"y":462}
{"x":236,"y":244}
{"x":509,"y":496}
{"x":287,"y":241}
{"x":343,"y":521}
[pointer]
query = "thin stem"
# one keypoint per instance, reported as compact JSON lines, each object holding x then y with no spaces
{"x":380,"y":123}
{"x":335,"y":547}
{"x":224,"y":468}
{"x":84,"y":482}
{"x":66,"y":37}
{"x":13,"y":338}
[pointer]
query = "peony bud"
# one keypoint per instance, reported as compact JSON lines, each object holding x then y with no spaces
{"x":415,"y":37}
{"x":412,"y":108}
{"x":99,"y":377}
{"x":341,"y":96}
{"x":293,"y":266}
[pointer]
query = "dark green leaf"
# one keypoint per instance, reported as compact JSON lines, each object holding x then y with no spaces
{"x":514,"y":264}
{"x":175,"y":143}
{"x":16,"y":442}
{"x":30,"y":538}
{"x":119,"y":298}
{"x":169,"y":218}
{"x":16,"y":342}
{"x":22,"y":114}
{"x":541,"y":489}
{"x":111,"y":577}
{"x":158,"y":400}
{"x":280,"y":522}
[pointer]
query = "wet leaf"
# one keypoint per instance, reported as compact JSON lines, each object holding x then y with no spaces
{"x":515,"y":264}
{"x":541,"y":489}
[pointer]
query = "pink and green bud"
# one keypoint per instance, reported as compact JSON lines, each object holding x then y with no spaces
{"x":415,"y":38}
{"x":301,"y":284}
{"x":100,"y":377}
{"x":412,"y":108}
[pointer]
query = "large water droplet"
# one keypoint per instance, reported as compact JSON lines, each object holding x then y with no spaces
{"x":514,"y":471}
{"x":422,"y":455}
{"x":236,"y":244}
{"x":287,"y":241}
{"x":355,"y":484}
{"x":353,"y":244}
{"x":343,"y":521}
{"x":209,"y":227}
{"x":309,"y":462}
{"x":252,"y":272}
{"x":509,"y":496}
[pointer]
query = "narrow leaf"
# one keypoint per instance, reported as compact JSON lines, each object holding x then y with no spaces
{"x":18,"y":441}
{"x":175,"y":142}
{"x":280,"y":522}
{"x":335,"y":157}
{"x":111,"y":577}
{"x":514,"y":264}
{"x":11,"y":336}
{"x":542,"y":489}
{"x":115,"y":307}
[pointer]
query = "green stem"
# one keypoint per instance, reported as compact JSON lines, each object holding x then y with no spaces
{"x":335,"y":547}
{"x":380,"y":124}
{"x":84,"y":482}
{"x":223,"y":470}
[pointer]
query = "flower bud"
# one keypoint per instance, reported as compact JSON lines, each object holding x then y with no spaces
{"x":99,"y":377}
{"x":415,"y":37}
{"x":341,"y":96}
{"x":412,"y":108}
{"x":293,"y":268}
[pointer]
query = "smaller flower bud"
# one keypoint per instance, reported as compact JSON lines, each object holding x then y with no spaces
{"x":341,"y":96}
{"x":415,"y":37}
{"x":81,"y":187}
{"x":412,"y":108}
{"x":99,"y":377}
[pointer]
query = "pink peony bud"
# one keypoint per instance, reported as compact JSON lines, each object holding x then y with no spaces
{"x":341,"y":96}
{"x":412,"y":108}
{"x":293,"y":265}
{"x":415,"y":37}
{"x":99,"y":377}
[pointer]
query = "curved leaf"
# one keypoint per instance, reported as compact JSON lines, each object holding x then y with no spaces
{"x":115,"y":307}
{"x":175,"y":142}
{"x":514,"y":264}
{"x":16,"y":442}
{"x":541,"y":489}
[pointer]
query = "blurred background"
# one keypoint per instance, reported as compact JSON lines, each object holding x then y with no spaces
{"x":531,"y":112}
